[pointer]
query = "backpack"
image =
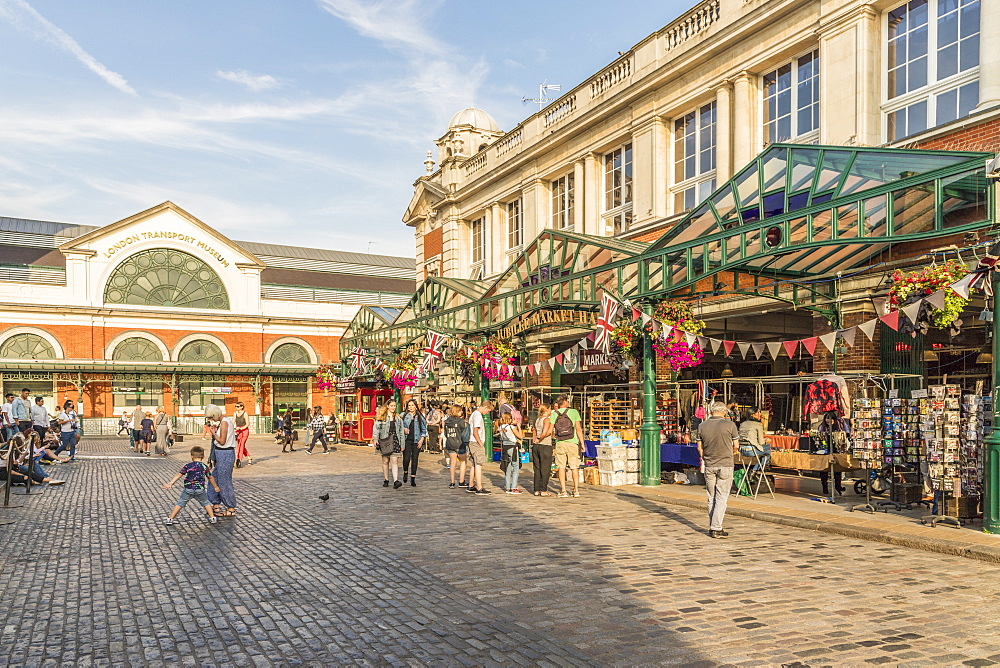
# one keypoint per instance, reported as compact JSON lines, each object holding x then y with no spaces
{"x":453,"y":434}
{"x":563,"y":428}
{"x":515,"y":415}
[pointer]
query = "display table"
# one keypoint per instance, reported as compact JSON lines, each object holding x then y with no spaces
{"x":781,"y":442}
{"x":680,"y":453}
{"x":803,"y":461}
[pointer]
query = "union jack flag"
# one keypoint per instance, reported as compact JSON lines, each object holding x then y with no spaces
{"x":432,"y":353}
{"x":606,"y":322}
{"x":358,"y":361}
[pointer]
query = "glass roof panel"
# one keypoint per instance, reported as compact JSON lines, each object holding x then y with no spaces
{"x":833,"y":167}
{"x":773,"y":165}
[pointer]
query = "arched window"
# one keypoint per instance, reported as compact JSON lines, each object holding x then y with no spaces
{"x":27,"y":347}
{"x":290,"y":353}
{"x":201,"y":351}
{"x":136,"y":349}
{"x":165,"y":277}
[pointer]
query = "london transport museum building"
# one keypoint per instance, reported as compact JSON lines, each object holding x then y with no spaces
{"x":777,"y":182}
{"x":160,"y":309}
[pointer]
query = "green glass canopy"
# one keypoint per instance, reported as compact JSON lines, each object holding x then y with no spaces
{"x":795,"y":211}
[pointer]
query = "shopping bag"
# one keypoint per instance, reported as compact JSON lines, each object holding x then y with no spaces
{"x":741,"y":482}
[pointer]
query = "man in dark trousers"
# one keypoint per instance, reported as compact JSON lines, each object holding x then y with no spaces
{"x":718,"y":439}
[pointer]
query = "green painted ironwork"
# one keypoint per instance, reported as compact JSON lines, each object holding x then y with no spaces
{"x":649,"y":432}
{"x":137,"y":349}
{"x":289,"y":353}
{"x":201,"y":351}
{"x":794,"y":212}
{"x":165,"y":277}
{"x":27,"y":346}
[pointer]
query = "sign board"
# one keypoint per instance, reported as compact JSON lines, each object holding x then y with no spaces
{"x":346,"y":385}
{"x":216,"y":390}
{"x":127,"y":390}
{"x":893,"y":394}
{"x":918,"y":394}
{"x":594,"y":360}
{"x":571,"y":362}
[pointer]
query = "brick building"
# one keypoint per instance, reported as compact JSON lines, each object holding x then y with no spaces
{"x":159,"y":309}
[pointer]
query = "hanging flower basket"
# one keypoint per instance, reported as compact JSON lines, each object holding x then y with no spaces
{"x":911,"y":286}
{"x":679,"y":315}
{"x":466,"y":365}
{"x":625,"y":340}
{"x":500,"y":352}
{"x":405,"y":363}
{"x":326,"y":378}
{"x":676,"y":353}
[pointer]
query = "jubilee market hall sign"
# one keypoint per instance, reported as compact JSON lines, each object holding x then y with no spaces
{"x":548,"y":317}
{"x":144,"y":236}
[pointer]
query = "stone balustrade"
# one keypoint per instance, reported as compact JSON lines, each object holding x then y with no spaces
{"x":692,"y":23}
{"x":560,"y":110}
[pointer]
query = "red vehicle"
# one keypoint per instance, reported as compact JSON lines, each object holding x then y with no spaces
{"x":357,"y":401}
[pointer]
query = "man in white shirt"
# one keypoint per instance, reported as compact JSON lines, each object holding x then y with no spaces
{"x":21,"y":407}
{"x":477,"y":448}
{"x":7,"y":417}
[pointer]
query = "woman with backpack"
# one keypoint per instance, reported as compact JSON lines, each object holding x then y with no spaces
{"x":415,"y":430}
{"x":456,"y":444}
{"x":541,"y":451}
{"x":387,"y":437}
{"x":510,"y":441}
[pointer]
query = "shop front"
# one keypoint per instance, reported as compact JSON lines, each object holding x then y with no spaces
{"x":813,"y":268}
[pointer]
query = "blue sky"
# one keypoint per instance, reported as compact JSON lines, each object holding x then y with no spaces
{"x":294,"y":121}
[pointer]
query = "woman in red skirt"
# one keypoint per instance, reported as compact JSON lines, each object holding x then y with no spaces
{"x":242,"y":434}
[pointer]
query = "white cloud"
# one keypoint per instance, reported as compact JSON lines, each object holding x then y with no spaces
{"x":395,"y":23}
{"x":255,"y":82}
{"x":16,"y":10}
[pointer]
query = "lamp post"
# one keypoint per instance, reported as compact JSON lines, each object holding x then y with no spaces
{"x":991,"y":462}
{"x":649,"y":432}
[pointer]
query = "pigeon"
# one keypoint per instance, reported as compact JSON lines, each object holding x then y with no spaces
{"x":324,"y":497}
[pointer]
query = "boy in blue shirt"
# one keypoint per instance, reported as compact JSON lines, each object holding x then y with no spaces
{"x":195,"y":474}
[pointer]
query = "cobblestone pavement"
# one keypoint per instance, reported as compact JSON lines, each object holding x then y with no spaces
{"x":432,"y":576}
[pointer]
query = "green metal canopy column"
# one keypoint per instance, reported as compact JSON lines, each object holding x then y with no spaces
{"x":650,"y":430}
{"x":991,"y":463}
{"x":484,"y":395}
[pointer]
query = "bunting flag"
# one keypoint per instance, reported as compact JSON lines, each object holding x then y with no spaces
{"x":606,"y":322}
{"x":774,"y":349}
{"x":358,"y":361}
{"x":703,"y":343}
{"x":744,"y":349}
{"x":848,"y":335}
{"x":758,"y":349}
{"x":538,"y":368}
{"x":552,"y":363}
{"x":716,"y":345}
{"x":559,"y":358}
{"x":936,"y":299}
{"x":690,"y":339}
{"x":980,"y":276}
{"x":636,"y":314}
{"x":962,"y":285}
{"x":829,"y":340}
{"x":728,"y":347}
{"x":810,"y":344}
{"x":432,"y":353}
{"x":891,"y":320}
{"x":790,"y":348}
{"x":869,"y":328}
{"x":912,"y":311}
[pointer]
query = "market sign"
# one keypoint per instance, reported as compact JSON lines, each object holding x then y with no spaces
{"x":594,"y":360}
{"x":216,"y":390}
{"x":346,"y":385}
{"x":127,"y":390}
{"x":548,"y":317}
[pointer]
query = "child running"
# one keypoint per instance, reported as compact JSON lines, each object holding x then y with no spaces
{"x":195,"y":474}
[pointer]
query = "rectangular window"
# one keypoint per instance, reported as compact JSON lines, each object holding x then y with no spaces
{"x":791,"y":99}
{"x":618,"y":190}
{"x":515,"y":224}
{"x":562,"y":202}
{"x":478,"y":240}
{"x":933,"y":64}
{"x":694,"y":157}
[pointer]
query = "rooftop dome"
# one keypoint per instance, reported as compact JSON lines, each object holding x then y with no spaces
{"x":477,"y":118}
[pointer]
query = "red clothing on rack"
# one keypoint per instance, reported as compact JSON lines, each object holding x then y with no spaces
{"x":822,"y":396}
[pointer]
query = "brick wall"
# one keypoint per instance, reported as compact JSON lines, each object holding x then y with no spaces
{"x":863,"y":356}
{"x":983,"y":136}
{"x":433,"y":243}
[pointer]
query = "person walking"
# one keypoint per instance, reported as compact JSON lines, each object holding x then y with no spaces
{"x":387,"y":437}
{"x":456,"y":444}
{"x":40,"y":418}
{"x":124,"y":424}
{"x":148,"y":431}
{"x":21,"y":407}
{"x":435,"y":419}
{"x":224,"y":442}
{"x":67,"y":429}
{"x":287,"y":434}
{"x":415,"y":430}
{"x":568,"y":433}
{"x":161,"y":430}
{"x":318,"y":427}
{"x":718,"y":439}
{"x":242,"y":435}
{"x":541,"y":451}
{"x":138,"y":415}
{"x":196,"y":478}
{"x":510,"y":439}
{"x":477,"y":448}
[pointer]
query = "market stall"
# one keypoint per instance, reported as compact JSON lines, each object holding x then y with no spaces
{"x":357,"y":401}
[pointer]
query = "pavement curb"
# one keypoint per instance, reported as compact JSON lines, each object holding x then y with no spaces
{"x":956,"y":548}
